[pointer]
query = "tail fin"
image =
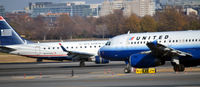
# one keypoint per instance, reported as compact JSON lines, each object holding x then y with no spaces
{"x":8,"y":36}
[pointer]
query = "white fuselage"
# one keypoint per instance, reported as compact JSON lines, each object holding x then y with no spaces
{"x":52,"y":49}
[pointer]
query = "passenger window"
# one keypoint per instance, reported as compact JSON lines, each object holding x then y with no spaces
{"x":48,"y":47}
{"x":44,"y":48}
{"x":94,"y":46}
{"x":169,"y":41}
{"x":72,"y":47}
{"x":57,"y":47}
{"x":80,"y":46}
{"x":53,"y":47}
{"x":85,"y":46}
{"x":90,"y":46}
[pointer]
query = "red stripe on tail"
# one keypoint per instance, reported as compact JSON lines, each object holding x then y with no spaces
{"x":1,"y":18}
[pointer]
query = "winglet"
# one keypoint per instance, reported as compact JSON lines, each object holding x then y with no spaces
{"x":155,"y":42}
{"x":63,"y":47}
{"x":60,"y":44}
{"x":152,"y":44}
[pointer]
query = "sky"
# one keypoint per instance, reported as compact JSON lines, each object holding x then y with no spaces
{"x":11,"y":5}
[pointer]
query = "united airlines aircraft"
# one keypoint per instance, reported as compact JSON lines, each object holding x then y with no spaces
{"x":11,"y":42}
{"x":151,"y":49}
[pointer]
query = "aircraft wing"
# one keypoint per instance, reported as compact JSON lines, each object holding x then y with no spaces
{"x":164,"y":51}
{"x":75,"y":54}
{"x":6,"y":49}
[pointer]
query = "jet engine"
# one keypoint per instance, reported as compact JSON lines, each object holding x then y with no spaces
{"x":99,"y":60}
{"x":144,"y":61}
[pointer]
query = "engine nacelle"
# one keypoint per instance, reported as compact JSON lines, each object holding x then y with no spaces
{"x":99,"y":60}
{"x":144,"y":61}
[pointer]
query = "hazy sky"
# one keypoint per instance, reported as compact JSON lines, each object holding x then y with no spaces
{"x":11,"y":5}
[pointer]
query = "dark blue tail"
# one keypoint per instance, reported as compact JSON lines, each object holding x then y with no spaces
{"x":8,"y":36}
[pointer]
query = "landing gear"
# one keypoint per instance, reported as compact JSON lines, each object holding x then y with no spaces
{"x":82,"y":63}
{"x":39,"y":60}
{"x":179,"y":68}
{"x":127,"y":69}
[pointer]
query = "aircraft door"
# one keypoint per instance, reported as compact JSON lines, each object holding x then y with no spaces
{"x":37,"y":50}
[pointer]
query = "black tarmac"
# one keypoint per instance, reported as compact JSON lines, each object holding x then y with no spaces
{"x":69,"y":74}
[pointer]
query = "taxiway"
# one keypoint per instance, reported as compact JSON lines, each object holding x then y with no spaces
{"x":93,"y":75}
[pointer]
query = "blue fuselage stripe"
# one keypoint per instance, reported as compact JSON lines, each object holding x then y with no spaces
{"x":123,"y":54}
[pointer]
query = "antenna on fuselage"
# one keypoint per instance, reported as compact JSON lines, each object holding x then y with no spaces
{"x":128,"y":32}
{"x":25,"y":42}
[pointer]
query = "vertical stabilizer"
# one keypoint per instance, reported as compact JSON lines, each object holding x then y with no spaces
{"x":8,"y":36}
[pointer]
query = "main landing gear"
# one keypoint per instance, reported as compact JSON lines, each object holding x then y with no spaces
{"x":177,"y":66}
{"x":82,"y":63}
{"x":39,"y":60}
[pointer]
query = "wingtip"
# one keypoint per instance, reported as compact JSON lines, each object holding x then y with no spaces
{"x":155,"y":42}
{"x":60,"y":44}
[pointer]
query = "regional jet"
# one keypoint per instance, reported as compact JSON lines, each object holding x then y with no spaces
{"x":12,"y":43}
{"x":151,"y":49}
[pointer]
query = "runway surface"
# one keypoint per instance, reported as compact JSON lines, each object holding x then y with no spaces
{"x":94,"y":75}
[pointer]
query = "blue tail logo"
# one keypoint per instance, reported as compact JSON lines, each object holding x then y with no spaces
{"x":8,"y":36}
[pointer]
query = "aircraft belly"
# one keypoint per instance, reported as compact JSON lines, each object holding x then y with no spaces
{"x":121,"y":55}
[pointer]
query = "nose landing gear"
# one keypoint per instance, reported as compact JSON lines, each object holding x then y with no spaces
{"x":127,"y":69}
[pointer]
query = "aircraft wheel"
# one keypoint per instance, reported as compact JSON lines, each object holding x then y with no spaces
{"x":127,"y":70}
{"x":39,"y":60}
{"x":179,"y":68}
{"x":82,"y":63}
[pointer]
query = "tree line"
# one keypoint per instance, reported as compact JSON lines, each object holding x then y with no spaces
{"x":66,"y":27}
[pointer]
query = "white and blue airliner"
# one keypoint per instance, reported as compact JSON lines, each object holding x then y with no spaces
{"x":151,"y":49}
{"x":11,"y":42}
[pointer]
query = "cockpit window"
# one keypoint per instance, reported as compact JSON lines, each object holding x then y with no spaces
{"x":108,"y":43}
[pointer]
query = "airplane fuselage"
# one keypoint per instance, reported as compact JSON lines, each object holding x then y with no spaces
{"x":52,"y":50}
{"x":121,"y":47}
